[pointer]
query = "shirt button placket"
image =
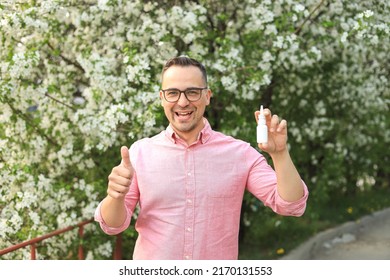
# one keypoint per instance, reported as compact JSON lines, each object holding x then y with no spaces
{"x":189,"y":206}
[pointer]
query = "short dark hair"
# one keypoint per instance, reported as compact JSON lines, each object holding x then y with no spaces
{"x":185,"y":61}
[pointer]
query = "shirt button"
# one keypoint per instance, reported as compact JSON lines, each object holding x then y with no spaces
{"x":189,"y":173}
{"x":189,"y":201}
{"x":189,"y":229}
{"x":187,"y":257}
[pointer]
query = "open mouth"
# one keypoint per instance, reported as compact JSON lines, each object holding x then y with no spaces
{"x":183,"y":115}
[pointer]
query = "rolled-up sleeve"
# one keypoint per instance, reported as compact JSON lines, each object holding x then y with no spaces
{"x":291,"y":208}
{"x":262,"y":183}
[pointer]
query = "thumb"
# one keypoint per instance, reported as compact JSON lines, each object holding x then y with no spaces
{"x":125,"y":157}
{"x":263,"y":146}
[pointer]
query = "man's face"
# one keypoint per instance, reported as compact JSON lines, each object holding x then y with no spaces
{"x":185,"y":117}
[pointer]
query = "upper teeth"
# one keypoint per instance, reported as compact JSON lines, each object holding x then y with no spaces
{"x":183,"y":114}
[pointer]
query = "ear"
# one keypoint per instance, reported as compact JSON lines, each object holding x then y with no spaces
{"x":161,"y":98}
{"x":209,"y":94}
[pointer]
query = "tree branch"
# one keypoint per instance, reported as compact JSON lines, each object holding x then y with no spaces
{"x":35,"y":127}
{"x":298,"y":30}
{"x":67,"y":60}
{"x":59,"y":101}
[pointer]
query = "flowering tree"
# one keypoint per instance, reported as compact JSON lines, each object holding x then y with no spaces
{"x":78,"y":79}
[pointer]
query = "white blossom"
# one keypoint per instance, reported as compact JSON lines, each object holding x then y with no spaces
{"x":77,"y":79}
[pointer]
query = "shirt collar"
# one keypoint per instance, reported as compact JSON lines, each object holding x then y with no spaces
{"x":203,"y":136}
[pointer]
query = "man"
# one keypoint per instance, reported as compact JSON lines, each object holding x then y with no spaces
{"x":189,"y":180}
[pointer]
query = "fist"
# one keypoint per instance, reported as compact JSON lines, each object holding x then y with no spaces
{"x":120,"y":177}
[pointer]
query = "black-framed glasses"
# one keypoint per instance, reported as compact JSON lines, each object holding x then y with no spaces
{"x":173,"y":94}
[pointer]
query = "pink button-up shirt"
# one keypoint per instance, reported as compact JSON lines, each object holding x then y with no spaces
{"x":190,"y":197}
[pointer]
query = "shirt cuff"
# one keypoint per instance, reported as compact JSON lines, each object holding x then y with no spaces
{"x":107,"y":229}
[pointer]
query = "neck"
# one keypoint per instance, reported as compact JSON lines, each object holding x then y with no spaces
{"x":192,"y":135}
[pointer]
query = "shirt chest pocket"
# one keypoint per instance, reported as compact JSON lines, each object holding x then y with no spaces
{"x":225,"y":181}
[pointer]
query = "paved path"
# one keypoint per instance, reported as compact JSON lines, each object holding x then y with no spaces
{"x":365,"y":239}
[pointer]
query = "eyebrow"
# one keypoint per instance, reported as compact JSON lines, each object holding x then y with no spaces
{"x":186,"y":88}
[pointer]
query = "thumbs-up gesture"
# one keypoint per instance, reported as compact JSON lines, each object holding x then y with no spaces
{"x":120,"y":177}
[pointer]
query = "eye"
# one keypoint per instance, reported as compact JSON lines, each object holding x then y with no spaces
{"x":192,"y":92}
{"x":172,"y":92}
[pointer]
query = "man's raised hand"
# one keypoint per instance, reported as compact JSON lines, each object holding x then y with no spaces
{"x":121,"y":175}
{"x":277,"y":133}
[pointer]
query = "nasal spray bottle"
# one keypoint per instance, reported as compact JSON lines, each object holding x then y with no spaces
{"x":262,"y":130}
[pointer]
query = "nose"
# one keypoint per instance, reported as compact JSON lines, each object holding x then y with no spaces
{"x":183,"y":101}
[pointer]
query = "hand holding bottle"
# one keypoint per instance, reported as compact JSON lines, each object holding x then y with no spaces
{"x":275,"y":140}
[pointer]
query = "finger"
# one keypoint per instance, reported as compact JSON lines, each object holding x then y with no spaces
{"x":263,"y":146}
{"x":122,"y":171}
{"x":274,"y":123}
{"x":267,"y":115}
{"x":125,"y":157}
{"x":115,"y":193}
{"x":117,"y":187}
{"x":257,"y":116}
{"x":282,"y":126}
{"x":120,"y":180}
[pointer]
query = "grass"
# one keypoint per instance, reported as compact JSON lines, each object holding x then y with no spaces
{"x":271,"y":236}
